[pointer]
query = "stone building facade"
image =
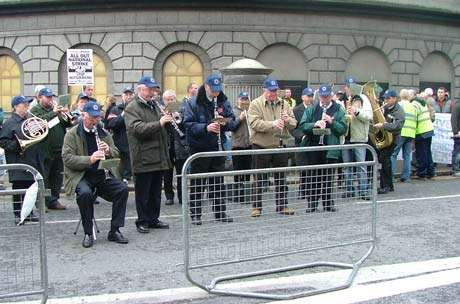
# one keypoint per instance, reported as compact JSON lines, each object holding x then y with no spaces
{"x":303,"y":47}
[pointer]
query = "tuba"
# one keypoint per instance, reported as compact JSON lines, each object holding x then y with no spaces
{"x":379,"y":138}
{"x":34,"y":129}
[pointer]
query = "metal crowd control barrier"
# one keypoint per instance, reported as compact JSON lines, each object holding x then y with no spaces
{"x":340,"y":232}
{"x":23,"y":266}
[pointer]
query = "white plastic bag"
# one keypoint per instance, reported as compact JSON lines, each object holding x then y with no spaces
{"x":29,"y":201}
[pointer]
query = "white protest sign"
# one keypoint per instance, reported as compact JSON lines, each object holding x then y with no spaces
{"x":442,"y":143}
{"x":80,"y":67}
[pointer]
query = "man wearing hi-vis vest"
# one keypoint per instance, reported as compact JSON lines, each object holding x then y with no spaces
{"x":406,"y":139}
{"x":423,"y":135}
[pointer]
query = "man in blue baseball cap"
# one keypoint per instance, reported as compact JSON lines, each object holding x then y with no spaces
{"x":85,"y":146}
{"x":394,"y":121}
{"x":207,"y":117}
{"x":270,"y":120}
{"x":146,"y":127}
{"x":241,"y":141}
{"x":49,"y":110}
{"x":327,"y":114}
{"x":301,"y":158}
{"x":10,"y":135}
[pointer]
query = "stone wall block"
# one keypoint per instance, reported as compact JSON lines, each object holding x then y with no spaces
{"x":182,"y":36}
{"x":412,"y":68}
{"x":59,"y":41}
{"x":40,"y":51}
{"x":398,"y":67}
{"x":294,"y":38}
{"x":310,"y":38}
{"x":111,"y":39}
{"x":254,"y":38}
{"x":336,"y":64}
{"x":405,"y":55}
{"x":26,"y":54}
{"x":132,"y":76}
{"x":249,"y":51}
{"x":327,"y":77}
{"x":116,"y":52}
{"x":233,"y":49}
{"x":281,"y":37}
{"x":140,"y":63}
{"x":40,"y":78}
{"x":342,"y":52}
{"x":48,"y":65}
{"x":318,"y":64}
{"x":123,"y":63}
{"x":311,"y":52}
{"x":393,"y":43}
{"x":31,"y":66}
{"x":328,"y":51}
{"x":195,"y":37}
{"x":132,"y":49}
{"x":117,"y":75}
{"x":24,"y":41}
{"x":211,"y":38}
{"x":169,"y":37}
{"x":149,"y":51}
{"x":74,"y":39}
{"x":215,"y":51}
{"x":270,"y":38}
{"x":221,"y":62}
{"x":96,"y":38}
{"x":85,"y":38}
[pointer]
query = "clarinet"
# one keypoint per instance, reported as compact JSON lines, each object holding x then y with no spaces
{"x":281,"y":144}
{"x":173,"y":122}
{"x":321,"y":138}
{"x":219,"y":139}
{"x":99,"y":147}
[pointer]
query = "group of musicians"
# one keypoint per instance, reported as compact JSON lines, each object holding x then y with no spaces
{"x":155,"y":137}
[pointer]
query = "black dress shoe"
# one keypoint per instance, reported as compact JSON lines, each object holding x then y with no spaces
{"x":117,"y":237}
{"x":196,"y":220}
{"x":222,"y":217}
{"x":142,"y":228}
{"x":383,"y":190}
{"x":311,"y":210}
{"x":169,"y":202}
{"x":365,"y":197}
{"x":158,"y":225}
{"x":32,"y":218}
{"x":88,"y":241}
{"x":331,"y":209}
{"x":17,"y":220}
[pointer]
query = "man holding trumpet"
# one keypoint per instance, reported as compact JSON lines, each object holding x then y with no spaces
{"x":59,"y":119}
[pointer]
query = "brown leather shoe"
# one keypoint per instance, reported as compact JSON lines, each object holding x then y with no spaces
{"x":286,"y":211}
{"x":256,"y":212}
{"x":57,"y":206}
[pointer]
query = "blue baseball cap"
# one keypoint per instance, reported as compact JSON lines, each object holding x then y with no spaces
{"x":350,"y":80}
{"x":46,"y":92}
{"x":148,"y":82}
{"x":214,"y":81}
{"x":271,"y":84}
{"x":390,"y":93}
{"x":308,"y":92}
{"x":92,"y":108}
{"x":244,"y":95}
{"x":325,"y":90}
{"x":128,"y":89}
{"x":20,"y":99}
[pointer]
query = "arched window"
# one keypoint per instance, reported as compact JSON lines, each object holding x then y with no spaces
{"x":100,"y":81}
{"x":437,"y":71}
{"x":179,"y":70}
{"x":10,"y":81}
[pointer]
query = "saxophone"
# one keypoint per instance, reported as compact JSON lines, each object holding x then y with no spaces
{"x":380,"y":138}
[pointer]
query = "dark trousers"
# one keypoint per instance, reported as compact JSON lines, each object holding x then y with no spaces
{"x":456,"y":156}
{"x":215,"y":186}
{"x":168,"y":176}
{"x":179,"y":164}
{"x":319,"y":181}
{"x":125,"y":165}
{"x":147,"y":187}
{"x":386,"y":174}
{"x":270,"y":161}
{"x":95,"y":184}
{"x":18,"y":198}
{"x":425,"y":166}
{"x":53,"y":178}
{"x":305,"y":176}
{"x":241,"y":162}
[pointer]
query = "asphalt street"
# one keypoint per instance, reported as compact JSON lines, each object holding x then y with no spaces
{"x":417,"y":222}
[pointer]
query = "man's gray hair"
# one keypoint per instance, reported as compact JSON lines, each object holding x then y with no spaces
{"x":169,"y":93}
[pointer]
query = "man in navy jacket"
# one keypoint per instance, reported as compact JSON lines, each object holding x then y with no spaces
{"x":205,"y":134}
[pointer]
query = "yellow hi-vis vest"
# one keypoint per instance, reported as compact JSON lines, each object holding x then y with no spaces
{"x":410,"y":122}
{"x":424,"y":123}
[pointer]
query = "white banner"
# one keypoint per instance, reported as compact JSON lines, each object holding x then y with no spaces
{"x":80,"y":67}
{"x":442,"y":144}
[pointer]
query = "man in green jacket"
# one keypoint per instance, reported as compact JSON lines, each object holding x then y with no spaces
{"x":148,"y":146}
{"x":327,"y":114}
{"x":48,"y":110}
{"x":85,"y":145}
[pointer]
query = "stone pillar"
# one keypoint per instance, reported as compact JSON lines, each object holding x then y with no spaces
{"x":244,"y":75}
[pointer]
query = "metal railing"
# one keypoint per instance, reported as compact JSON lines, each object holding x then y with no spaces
{"x":314,"y":214}
{"x":23,"y":265}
